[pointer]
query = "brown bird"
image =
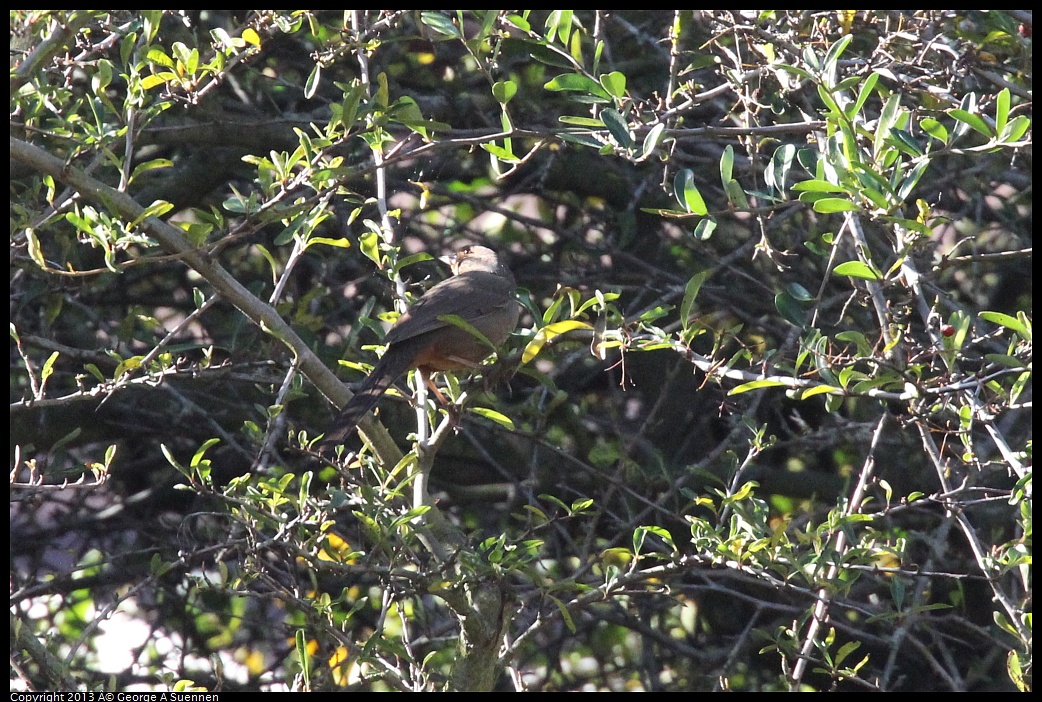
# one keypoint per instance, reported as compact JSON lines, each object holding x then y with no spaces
{"x":482,"y":293}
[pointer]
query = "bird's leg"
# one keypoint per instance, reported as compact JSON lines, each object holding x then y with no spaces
{"x":429,"y":382}
{"x":447,"y":405}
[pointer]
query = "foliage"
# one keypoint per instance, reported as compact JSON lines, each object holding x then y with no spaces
{"x":765,"y":425}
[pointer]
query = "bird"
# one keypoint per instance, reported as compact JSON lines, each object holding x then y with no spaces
{"x":481,"y":292}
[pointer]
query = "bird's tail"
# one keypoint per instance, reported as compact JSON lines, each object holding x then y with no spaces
{"x":365,"y":398}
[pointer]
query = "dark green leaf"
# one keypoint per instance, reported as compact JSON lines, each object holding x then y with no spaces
{"x":440,"y":24}
{"x":798,"y":292}
{"x":617,"y":127}
{"x":790,"y":309}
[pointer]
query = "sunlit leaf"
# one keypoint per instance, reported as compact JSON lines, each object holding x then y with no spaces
{"x":549,"y":332}
{"x":857,"y":269}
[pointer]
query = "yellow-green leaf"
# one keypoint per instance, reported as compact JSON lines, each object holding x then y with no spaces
{"x":497,"y":417}
{"x":548,"y":332}
{"x":819,"y":390}
{"x":756,"y":385}
{"x":857,"y":269}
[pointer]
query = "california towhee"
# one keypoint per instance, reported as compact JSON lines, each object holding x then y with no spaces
{"x":482,"y":292}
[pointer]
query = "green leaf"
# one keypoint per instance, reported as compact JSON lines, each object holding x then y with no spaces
{"x":859,"y":340}
{"x":690,"y":293}
{"x":497,"y":417}
{"x":935,"y":129}
{"x":974,"y":121}
{"x":640,"y":535}
{"x":1004,"y":360}
{"x":726,"y":165}
{"x":651,"y":141}
{"x":614,"y":83}
{"x":836,"y":50}
{"x":369,"y":243}
{"x":845,"y":650}
{"x":887,"y":120}
{"x":339,"y":243}
{"x":566,"y":616}
{"x":349,"y":106}
{"x":440,"y":24}
{"x":905,"y":142}
{"x":1015,"y":670}
{"x":617,"y":126}
{"x":828,"y":205}
{"x":576,"y":82}
{"x":1005,"y":624}
{"x":156,"y":209}
{"x":559,"y":25}
{"x":303,"y":657}
{"x":779,"y":167}
{"x":819,"y":390}
{"x":504,"y":90}
{"x":48,"y":366}
{"x":790,"y":309}
{"x":857,"y":269}
{"x":1015,"y":129}
{"x":866,"y":91}
{"x":818,"y":186}
{"x":582,"y":121}
{"x":198,"y":457}
{"x":705,"y":229}
{"x":173,"y":461}
{"x":687,"y":194}
{"x":735,"y":195}
{"x":1009,"y":322}
{"x":1001,"y":110}
{"x":35,"y":252}
{"x":150,"y":165}
{"x":501,"y":153}
{"x":799,"y":292}
{"x":158,"y":56}
{"x":149,"y":82}
{"x":756,"y":385}
{"x":909,"y":183}
{"x":548,"y":332}
{"x":313,"y":81}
